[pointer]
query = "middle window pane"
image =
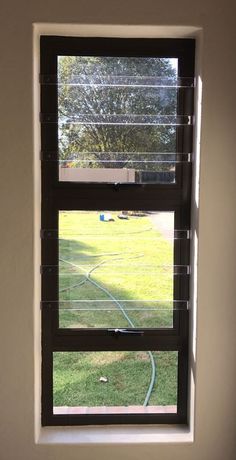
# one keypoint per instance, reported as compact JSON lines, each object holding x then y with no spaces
{"x":116,"y":269}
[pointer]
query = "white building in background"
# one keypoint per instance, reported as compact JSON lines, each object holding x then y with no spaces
{"x":96,"y":175}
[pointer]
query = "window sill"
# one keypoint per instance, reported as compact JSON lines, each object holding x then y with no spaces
{"x":105,"y":435}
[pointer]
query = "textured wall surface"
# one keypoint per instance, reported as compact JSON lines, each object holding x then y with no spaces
{"x":216,"y":341}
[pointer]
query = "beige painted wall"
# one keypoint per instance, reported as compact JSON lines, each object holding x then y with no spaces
{"x":216,"y":344}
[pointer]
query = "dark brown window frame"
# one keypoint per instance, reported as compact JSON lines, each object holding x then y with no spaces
{"x":58,"y":196}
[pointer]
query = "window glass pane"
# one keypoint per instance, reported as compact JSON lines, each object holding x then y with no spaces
{"x":117,"y":119}
{"x":115,"y":382}
{"x":116,"y":269}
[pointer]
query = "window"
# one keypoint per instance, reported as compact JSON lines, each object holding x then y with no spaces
{"x":116,"y":149}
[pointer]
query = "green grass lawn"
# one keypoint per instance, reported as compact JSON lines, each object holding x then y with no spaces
{"x":77,"y":378}
{"x":126,"y":260}
{"x":132,"y":254}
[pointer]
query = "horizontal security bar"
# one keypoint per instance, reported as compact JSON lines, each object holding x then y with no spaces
{"x":78,"y":157}
{"x":118,"y":81}
{"x":125,"y":162}
{"x":169,"y":234}
{"x":107,"y":305}
{"x":164,"y":269}
{"x":118,"y":120}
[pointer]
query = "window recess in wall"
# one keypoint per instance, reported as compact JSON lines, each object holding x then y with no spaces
{"x":116,"y":150}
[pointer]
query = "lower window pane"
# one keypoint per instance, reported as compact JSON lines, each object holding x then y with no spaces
{"x":115,"y":382}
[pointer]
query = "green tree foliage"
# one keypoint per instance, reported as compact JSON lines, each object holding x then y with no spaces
{"x":114,"y":91}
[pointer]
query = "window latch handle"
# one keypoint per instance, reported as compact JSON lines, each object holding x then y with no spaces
{"x":117,"y":332}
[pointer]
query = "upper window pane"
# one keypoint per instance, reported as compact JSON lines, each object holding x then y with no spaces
{"x":118,"y":119}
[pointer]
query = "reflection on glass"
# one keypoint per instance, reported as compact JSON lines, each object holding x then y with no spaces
{"x":117,"y":118}
{"x":116,"y":269}
{"x":115,"y":382}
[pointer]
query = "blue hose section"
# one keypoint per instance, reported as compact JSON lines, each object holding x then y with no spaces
{"x":130,"y":322}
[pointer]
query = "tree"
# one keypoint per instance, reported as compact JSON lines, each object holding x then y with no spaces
{"x":109,"y":108}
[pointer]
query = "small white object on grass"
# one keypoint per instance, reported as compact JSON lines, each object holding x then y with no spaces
{"x":123,"y":216}
{"x":103,"y":379}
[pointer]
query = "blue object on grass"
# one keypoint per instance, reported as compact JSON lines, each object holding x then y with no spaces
{"x":106,"y":217}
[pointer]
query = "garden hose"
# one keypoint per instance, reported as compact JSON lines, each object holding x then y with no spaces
{"x":124,"y":313}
